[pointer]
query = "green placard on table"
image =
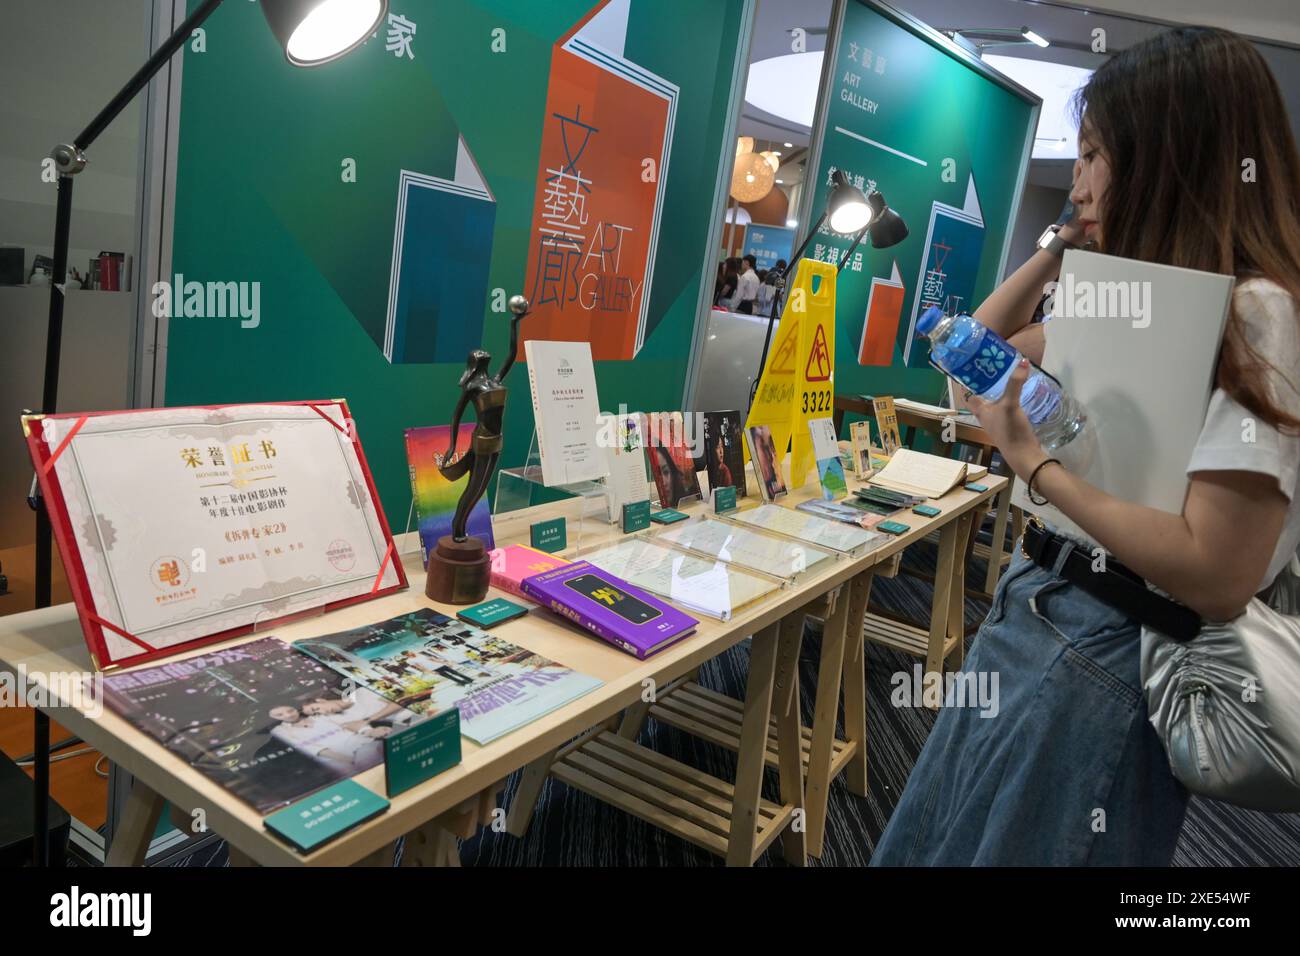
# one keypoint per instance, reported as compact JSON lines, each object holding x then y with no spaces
{"x":668,"y":516}
{"x":636,"y":516}
{"x":413,"y":755}
{"x":327,"y":814}
{"x":549,"y":536}
{"x":491,"y":613}
{"x":724,"y":499}
{"x":976,"y":486}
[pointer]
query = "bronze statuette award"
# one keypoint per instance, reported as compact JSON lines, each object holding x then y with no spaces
{"x":459,"y":567}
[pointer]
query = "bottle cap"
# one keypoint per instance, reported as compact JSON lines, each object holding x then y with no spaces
{"x":929,"y":319}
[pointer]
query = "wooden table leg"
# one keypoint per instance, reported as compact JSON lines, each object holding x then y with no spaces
{"x":530,"y":788}
{"x":996,"y":546}
{"x":753,"y":745}
{"x":789,"y":735}
{"x":825,"y":710}
{"x":135,"y":830}
{"x":855,"y":683}
{"x":634,"y":719}
{"x":430,"y":845}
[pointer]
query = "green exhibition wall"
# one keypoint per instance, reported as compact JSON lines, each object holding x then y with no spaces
{"x":906,"y":114}
{"x":260,"y":197}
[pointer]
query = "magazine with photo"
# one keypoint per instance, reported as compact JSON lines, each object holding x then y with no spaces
{"x":670,"y":459}
{"x":724,"y":455}
{"x":428,"y":662}
{"x":261,"y":720}
{"x":767,"y":466}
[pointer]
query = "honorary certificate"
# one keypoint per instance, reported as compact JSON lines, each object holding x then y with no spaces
{"x":179,"y":526}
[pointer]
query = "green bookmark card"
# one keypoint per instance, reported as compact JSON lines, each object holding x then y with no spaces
{"x":414,"y":755}
{"x":724,"y":499}
{"x":326,"y":814}
{"x":636,"y":516}
{"x":491,"y":613}
{"x":549,"y":536}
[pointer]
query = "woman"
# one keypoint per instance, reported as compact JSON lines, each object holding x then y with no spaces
{"x":1070,"y":771}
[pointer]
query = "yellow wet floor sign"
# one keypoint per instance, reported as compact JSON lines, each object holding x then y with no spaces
{"x":797,"y":381}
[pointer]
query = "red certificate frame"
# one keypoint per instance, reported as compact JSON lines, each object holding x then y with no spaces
{"x":93,"y":625}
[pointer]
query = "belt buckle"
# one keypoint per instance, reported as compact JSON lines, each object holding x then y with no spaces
{"x":1034,"y":520}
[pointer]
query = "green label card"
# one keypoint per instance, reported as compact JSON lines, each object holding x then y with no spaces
{"x":667,"y":516}
{"x":327,"y":814}
{"x":724,"y":499}
{"x":414,"y":755}
{"x":636,"y":516}
{"x":491,"y":613}
{"x":549,"y":536}
{"x":976,"y":486}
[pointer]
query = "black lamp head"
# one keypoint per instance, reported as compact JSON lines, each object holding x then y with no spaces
{"x":887,"y":227}
{"x":847,"y":210}
{"x":313,"y":32}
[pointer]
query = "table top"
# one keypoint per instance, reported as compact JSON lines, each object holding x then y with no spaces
{"x":49,"y":641}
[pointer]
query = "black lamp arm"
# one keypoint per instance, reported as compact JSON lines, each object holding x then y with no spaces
{"x":143,"y":75}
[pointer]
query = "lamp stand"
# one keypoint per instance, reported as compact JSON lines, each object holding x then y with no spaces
{"x":70,"y":159}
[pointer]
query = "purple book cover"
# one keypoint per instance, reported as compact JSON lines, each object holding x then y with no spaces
{"x":610,"y":608}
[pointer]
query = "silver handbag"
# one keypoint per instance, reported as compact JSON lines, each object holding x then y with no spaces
{"x":1226,"y":704}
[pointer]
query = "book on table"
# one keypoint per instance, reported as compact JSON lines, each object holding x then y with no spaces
{"x":562,"y":381}
{"x":611,"y":608}
{"x":929,"y":476}
{"x":428,"y":662}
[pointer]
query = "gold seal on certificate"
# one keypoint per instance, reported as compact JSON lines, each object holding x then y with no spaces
{"x":180,"y":526}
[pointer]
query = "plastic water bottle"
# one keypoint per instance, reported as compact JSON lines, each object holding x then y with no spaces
{"x":982,"y":361}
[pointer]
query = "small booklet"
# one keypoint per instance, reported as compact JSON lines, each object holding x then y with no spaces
{"x":565,"y":408}
{"x":610,"y":608}
{"x":670,"y":459}
{"x":826,"y":451}
{"x":767,"y":463}
{"x":916,"y":473}
{"x":622,"y":442}
{"x":724,"y":458}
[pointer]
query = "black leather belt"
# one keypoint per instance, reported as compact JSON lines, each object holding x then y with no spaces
{"x":1116,"y":586}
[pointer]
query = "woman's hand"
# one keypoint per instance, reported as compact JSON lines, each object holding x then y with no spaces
{"x":1008,"y":426}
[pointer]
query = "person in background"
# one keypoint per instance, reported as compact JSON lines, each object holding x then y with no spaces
{"x":747,"y":288}
{"x":1070,"y":770}
{"x":766,"y":293}
{"x":730,"y":281}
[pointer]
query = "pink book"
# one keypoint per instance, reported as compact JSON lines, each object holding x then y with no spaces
{"x":511,"y":564}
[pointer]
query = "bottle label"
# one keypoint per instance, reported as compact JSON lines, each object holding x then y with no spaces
{"x":983,"y":370}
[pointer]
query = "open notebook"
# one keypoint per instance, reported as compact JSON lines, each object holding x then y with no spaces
{"x":916,"y":473}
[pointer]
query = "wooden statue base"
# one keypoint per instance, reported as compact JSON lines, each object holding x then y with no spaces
{"x":459,"y":571}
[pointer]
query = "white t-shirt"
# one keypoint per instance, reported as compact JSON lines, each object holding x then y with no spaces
{"x":1272,"y":325}
{"x":747,"y":287}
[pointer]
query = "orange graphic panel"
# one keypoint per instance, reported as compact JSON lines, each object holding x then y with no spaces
{"x":592,"y":233}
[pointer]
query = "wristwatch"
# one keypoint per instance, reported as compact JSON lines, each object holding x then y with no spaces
{"x":1053,"y":243}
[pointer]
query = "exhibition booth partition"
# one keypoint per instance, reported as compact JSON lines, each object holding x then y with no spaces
{"x":346,"y":579}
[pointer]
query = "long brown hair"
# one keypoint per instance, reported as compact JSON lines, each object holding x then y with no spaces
{"x":1176,"y":117}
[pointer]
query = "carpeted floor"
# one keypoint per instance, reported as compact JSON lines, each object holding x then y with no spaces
{"x":572,"y":829}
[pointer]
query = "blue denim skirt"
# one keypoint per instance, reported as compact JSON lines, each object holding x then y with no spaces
{"x":1065,"y":770}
